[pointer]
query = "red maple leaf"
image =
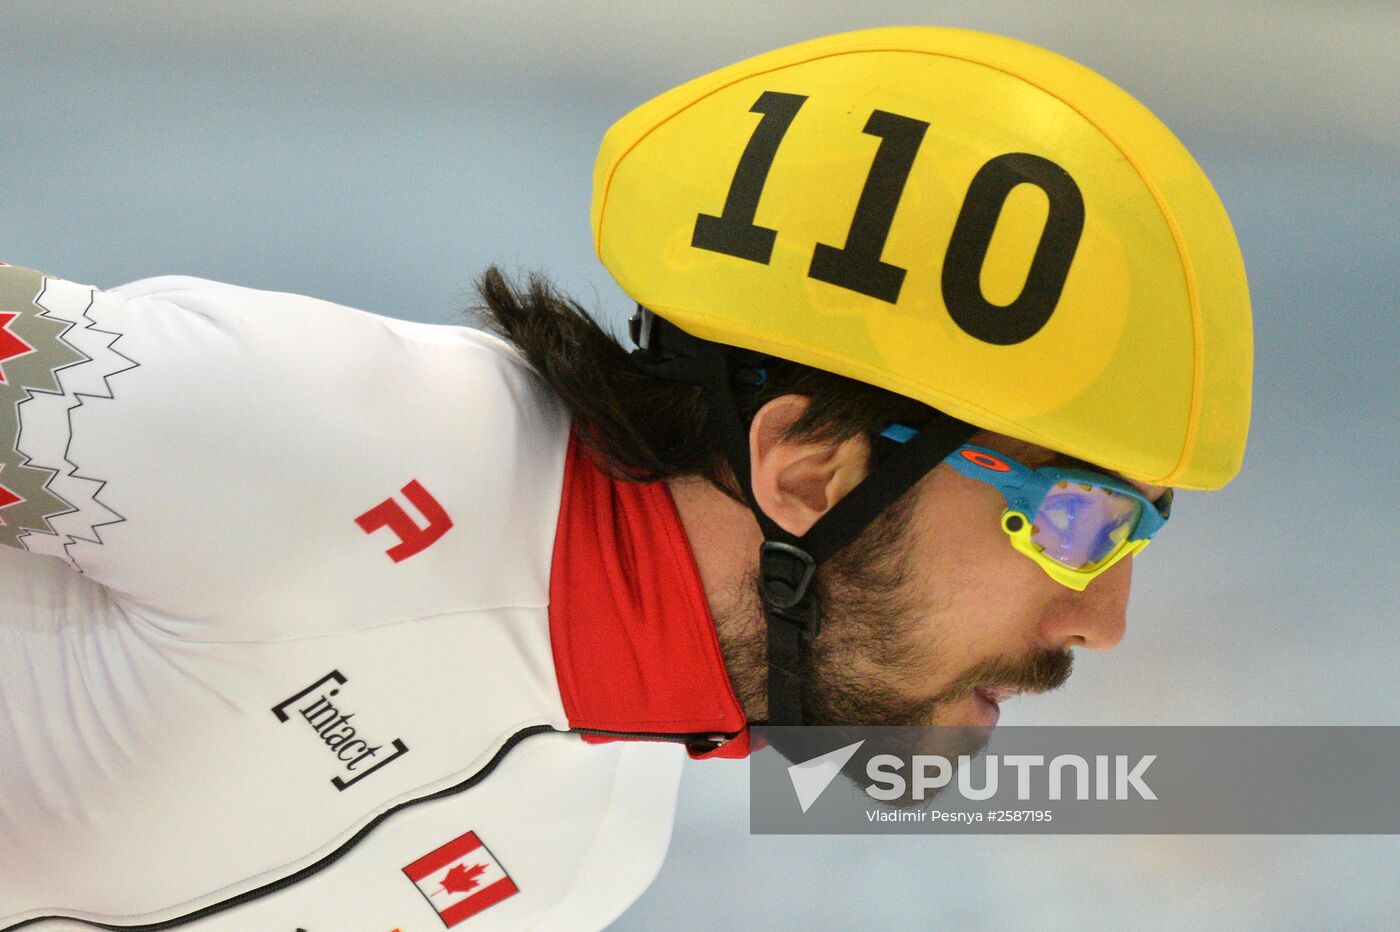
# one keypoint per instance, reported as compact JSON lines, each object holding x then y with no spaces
{"x":7,"y":498}
{"x":462,"y":879}
{"x":10,"y":345}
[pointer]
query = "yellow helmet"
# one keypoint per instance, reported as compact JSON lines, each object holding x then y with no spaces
{"x":961,"y":218}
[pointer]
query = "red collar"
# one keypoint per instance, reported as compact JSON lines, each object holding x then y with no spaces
{"x":635,"y":649}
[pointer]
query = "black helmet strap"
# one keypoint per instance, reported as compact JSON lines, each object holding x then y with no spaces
{"x":787,"y":563}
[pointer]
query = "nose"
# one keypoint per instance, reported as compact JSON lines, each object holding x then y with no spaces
{"x":1095,"y":618}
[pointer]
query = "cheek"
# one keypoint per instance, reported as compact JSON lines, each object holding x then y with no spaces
{"x":959,"y":537}
{"x":990,"y":596}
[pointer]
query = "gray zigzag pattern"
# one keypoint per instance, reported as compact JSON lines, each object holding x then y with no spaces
{"x":38,"y":372}
{"x":117,"y":518}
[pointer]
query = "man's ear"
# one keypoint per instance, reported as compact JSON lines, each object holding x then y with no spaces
{"x":795,"y":482}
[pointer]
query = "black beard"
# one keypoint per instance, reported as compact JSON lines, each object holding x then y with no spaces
{"x":862,"y":596}
{"x":868,"y":624}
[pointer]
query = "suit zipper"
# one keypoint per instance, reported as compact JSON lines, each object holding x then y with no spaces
{"x":697,"y":742}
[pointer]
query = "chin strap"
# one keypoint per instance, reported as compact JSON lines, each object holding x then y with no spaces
{"x":787,"y":564}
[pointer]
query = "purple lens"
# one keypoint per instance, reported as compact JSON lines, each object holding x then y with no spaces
{"x":1079,"y":524}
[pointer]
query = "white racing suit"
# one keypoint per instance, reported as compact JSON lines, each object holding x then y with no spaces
{"x":275,"y":633}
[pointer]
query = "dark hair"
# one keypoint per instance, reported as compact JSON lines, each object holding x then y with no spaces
{"x":642,"y":428}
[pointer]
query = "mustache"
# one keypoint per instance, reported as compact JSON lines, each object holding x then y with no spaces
{"x":1038,"y":672}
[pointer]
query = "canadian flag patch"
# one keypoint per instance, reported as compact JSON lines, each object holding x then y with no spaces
{"x":460,"y":879}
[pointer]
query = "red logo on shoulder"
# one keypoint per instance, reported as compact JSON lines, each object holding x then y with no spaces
{"x":413,"y":537}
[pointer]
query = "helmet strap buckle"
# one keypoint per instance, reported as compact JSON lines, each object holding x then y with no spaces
{"x":793,"y":614}
{"x":785,"y":573}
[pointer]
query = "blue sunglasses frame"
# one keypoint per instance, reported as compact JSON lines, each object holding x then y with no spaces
{"x":1025,"y":489}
